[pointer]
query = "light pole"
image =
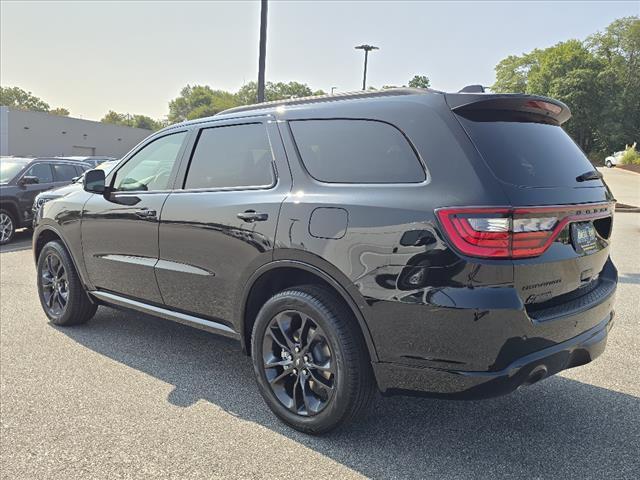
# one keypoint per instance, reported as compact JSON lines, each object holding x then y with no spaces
{"x":263,"y":50}
{"x":367,"y":49}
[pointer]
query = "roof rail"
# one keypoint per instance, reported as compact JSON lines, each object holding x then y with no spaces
{"x":472,"y":89}
{"x":327,"y":98}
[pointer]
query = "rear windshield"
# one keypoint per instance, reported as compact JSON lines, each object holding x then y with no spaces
{"x":529,"y":154}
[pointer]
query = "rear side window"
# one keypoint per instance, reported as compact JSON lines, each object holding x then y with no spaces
{"x":42,"y":171}
{"x":356,"y":151}
{"x":528,"y":154}
{"x":231,"y":156}
{"x":63,"y":172}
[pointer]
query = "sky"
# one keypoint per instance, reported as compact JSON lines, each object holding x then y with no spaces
{"x":135,"y":56}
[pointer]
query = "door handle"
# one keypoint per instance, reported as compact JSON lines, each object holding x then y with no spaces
{"x":251,"y":216}
{"x":145,"y":213}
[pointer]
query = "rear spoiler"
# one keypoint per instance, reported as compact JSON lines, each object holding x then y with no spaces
{"x":533,"y":105}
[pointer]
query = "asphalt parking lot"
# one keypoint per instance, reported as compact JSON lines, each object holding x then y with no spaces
{"x":131,"y":396}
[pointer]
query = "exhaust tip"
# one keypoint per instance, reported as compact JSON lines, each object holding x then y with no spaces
{"x":536,"y":375}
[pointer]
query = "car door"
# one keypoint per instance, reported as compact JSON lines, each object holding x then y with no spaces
{"x":220,"y":226}
{"x":27,"y":193}
{"x":120,"y":228}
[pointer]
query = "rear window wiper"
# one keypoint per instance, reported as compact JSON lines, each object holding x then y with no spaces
{"x":590,"y":175}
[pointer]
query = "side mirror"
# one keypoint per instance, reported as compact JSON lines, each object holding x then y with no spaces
{"x":94,"y":181}
{"x":29,"y":180}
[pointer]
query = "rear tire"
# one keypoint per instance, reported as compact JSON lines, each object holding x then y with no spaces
{"x":310,"y":360}
{"x":7,"y":226}
{"x":62,"y":295}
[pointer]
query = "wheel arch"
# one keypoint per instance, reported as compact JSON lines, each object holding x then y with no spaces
{"x":12,"y":207}
{"x":47,"y":233}
{"x":260,"y":287}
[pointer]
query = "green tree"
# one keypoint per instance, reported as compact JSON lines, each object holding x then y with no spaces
{"x":18,"y":98}
{"x":599,"y":79}
{"x":420,"y":81}
{"x":199,"y":101}
{"x":618,"y":49}
{"x":512,"y":73}
{"x":63,"y":112}
{"x":248,"y":93}
{"x":135,"y":121}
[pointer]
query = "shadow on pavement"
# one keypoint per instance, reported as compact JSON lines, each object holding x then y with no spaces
{"x":556,"y":428}
{"x":21,"y":241}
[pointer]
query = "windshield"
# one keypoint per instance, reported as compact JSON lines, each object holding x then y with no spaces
{"x":529,"y":154}
{"x":10,"y":168}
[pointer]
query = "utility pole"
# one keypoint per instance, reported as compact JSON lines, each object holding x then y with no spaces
{"x":263,"y":49}
{"x":367,"y":49}
{"x":332,"y":89}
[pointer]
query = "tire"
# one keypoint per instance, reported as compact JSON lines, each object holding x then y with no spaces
{"x":326,"y":384}
{"x":7,"y":226}
{"x":62,"y":296}
{"x":609,"y":164}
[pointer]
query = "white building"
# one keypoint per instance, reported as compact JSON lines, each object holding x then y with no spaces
{"x":39,"y":134}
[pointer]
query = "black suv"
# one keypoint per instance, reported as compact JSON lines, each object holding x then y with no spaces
{"x":21,"y":179}
{"x":405,"y":240}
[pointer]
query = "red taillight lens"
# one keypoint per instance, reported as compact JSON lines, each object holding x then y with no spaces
{"x":511,"y":232}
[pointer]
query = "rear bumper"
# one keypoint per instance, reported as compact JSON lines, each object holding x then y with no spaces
{"x":403,"y":379}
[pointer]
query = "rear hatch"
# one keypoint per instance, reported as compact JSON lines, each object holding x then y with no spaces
{"x":558,"y":225}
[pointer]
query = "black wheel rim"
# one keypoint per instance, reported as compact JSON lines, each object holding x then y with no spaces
{"x":55,"y":286}
{"x":298,"y":363}
{"x":6,"y":227}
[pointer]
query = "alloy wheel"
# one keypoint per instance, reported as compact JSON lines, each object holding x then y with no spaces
{"x":6,"y":227}
{"x":298,"y":363}
{"x":55,"y":285}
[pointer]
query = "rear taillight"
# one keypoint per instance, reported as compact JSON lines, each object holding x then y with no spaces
{"x":512,"y":232}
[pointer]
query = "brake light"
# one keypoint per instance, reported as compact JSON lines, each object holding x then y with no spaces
{"x":511,"y":232}
{"x":546,"y":106}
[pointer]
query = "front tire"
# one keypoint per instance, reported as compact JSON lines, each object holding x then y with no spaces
{"x":62,"y":296}
{"x":7,"y":226}
{"x":609,"y":164}
{"x":310,"y":360}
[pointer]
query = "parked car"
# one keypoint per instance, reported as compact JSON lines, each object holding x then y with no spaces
{"x":613,"y":160}
{"x":408,"y":240}
{"x":76,"y":184}
{"x":21,"y":179}
{"x":94,"y":161}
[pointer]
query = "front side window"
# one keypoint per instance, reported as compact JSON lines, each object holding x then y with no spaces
{"x":42,"y":171}
{"x":356,"y":151}
{"x":150,"y":168}
{"x":231,"y":156}
{"x":64,"y":173}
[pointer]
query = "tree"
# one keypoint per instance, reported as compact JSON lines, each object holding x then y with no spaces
{"x":135,"y":121}
{"x":512,"y":73}
{"x":420,"y":81}
{"x":248,"y":93}
{"x":199,"y":101}
{"x":599,"y":79}
{"x":20,"y":99}
{"x":63,"y":112}
{"x":618,"y":49}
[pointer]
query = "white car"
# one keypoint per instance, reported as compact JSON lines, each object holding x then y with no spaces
{"x":612,"y":160}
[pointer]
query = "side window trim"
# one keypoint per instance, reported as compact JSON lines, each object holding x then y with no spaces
{"x":188,"y":157}
{"x":421,"y":162}
{"x":174,"y":171}
{"x":30,"y":167}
